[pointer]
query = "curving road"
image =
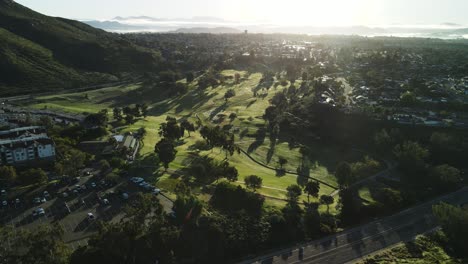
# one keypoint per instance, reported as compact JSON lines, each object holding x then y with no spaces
{"x":363,"y":240}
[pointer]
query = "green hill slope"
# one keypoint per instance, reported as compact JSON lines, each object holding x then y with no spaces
{"x":38,"y":52}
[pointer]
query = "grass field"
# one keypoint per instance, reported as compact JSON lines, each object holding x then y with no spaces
{"x":210,"y":106}
{"x":423,"y":250}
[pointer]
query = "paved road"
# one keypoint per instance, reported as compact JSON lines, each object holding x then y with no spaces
{"x":363,"y":240}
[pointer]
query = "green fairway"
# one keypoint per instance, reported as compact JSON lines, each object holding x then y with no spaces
{"x":210,"y":106}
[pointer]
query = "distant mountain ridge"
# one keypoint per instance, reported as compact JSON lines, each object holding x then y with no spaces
{"x":39,"y":52}
{"x":211,"y":24}
{"x":216,"y":30}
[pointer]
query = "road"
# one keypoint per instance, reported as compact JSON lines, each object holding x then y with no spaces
{"x":363,"y":240}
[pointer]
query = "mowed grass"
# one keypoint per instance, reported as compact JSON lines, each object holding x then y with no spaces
{"x":84,"y":102}
{"x":210,"y":106}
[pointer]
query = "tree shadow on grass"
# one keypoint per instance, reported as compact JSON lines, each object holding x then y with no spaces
{"x":259,"y":140}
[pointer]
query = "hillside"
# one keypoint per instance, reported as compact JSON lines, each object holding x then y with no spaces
{"x":39,"y":52}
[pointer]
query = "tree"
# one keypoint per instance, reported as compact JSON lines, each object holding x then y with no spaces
{"x":129,"y":119}
{"x":190,"y":127}
{"x":117,"y":113}
{"x":390,"y":198}
{"x":454,"y":222}
{"x":70,"y":163}
{"x":312,"y":188}
{"x":144,"y":109}
{"x":44,"y":245}
{"x":231,"y":198}
{"x":33,"y":176}
{"x":187,"y":209}
{"x":293,"y":193}
{"x":231,"y":173}
{"x":8,"y":174}
{"x":230,"y":93}
{"x":383,"y":141}
{"x":166,"y":151}
{"x":97,"y":119}
{"x":237,"y":78}
{"x":104,"y":165}
{"x":411,"y":157}
{"x":282,"y":161}
{"x":350,"y":206}
{"x":327,"y":200}
{"x":253,"y":182}
{"x":344,"y":175}
{"x":408,"y":99}
{"x":189,"y":77}
{"x":445,"y":177}
{"x":171,"y":129}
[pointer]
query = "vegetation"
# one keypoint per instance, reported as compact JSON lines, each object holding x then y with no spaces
{"x":425,"y":249}
{"x":57,"y":53}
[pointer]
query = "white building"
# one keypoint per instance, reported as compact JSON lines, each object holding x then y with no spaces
{"x":22,"y":145}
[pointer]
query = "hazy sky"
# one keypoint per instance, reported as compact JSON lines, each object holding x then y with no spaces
{"x":294,"y":12}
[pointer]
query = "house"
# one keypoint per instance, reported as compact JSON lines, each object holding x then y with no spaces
{"x":24,"y":145}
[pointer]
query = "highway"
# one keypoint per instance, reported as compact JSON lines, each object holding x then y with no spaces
{"x":363,"y":240}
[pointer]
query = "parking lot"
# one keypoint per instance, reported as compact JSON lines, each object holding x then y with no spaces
{"x":72,"y":217}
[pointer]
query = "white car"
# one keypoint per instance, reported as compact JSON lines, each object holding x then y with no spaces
{"x":156,"y":191}
{"x":4,"y":203}
{"x":137,"y":180}
{"x":105,"y":202}
{"x":3,"y":192}
{"x":38,"y":212}
{"x":91,"y":216}
{"x":17,"y":201}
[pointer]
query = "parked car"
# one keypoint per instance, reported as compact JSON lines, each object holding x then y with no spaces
{"x":3,"y":192}
{"x":105,"y":202}
{"x":39,"y":212}
{"x":64,"y":194}
{"x":46,"y":194}
{"x":93,"y":185}
{"x":156,"y":191}
{"x":4,"y":203}
{"x":125,"y":196}
{"x":17,"y":201}
{"x":91,"y":217}
{"x":136,"y":180}
{"x":39,"y":200}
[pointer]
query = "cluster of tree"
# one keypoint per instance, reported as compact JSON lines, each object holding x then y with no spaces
{"x":9,"y":176}
{"x":97,"y":119}
{"x":206,"y":170}
{"x":215,"y":136}
{"x":129,"y":113}
{"x":207,"y":80}
{"x":347,"y":173}
{"x":454,"y":222}
{"x":43,"y":245}
{"x":170,"y":131}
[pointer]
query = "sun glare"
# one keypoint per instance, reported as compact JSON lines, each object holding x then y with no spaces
{"x":312,"y":12}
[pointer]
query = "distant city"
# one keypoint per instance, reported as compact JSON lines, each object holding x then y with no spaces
{"x":215,"y":25}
